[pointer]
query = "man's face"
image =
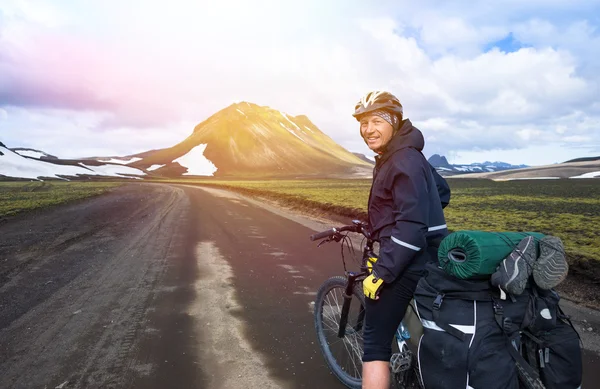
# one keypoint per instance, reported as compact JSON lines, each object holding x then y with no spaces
{"x":375,"y":131}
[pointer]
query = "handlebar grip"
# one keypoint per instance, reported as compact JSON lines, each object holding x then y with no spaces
{"x":322,"y":235}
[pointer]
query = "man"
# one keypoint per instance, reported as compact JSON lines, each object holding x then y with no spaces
{"x":405,"y":216}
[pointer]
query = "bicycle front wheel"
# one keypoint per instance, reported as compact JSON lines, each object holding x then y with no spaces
{"x":343,"y":355}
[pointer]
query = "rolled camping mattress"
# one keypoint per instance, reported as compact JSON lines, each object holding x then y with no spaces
{"x":469,"y":254}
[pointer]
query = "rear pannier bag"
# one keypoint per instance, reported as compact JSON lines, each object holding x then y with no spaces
{"x":542,"y":311}
{"x":462,"y":345}
{"x":556,"y":355}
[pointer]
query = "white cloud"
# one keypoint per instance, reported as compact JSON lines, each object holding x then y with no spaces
{"x":577,"y":139}
{"x":528,"y":134}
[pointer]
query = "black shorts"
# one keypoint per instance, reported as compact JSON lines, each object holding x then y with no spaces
{"x":383,"y":316}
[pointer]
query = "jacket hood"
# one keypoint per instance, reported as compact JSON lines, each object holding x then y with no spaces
{"x":406,"y":136}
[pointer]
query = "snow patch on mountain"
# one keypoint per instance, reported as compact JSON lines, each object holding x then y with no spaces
{"x":31,"y":153}
{"x":196,"y":163}
{"x":154,"y":167}
{"x":588,"y":175}
{"x":113,"y":170}
{"x":288,"y":119}
{"x":528,"y":178}
{"x":121,"y":161}
{"x":291,"y":131}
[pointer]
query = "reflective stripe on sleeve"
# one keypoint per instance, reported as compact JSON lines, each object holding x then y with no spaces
{"x":410,"y":246}
{"x":440,"y":227}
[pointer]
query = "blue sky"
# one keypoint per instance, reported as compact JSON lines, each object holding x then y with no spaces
{"x":517,"y":82}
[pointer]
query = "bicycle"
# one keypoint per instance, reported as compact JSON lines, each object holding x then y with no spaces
{"x":339,"y":309}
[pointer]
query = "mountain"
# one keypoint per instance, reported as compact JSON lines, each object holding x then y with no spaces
{"x":364,"y":158}
{"x":243,"y":140}
{"x":248,"y":140}
{"x":439,"y":161}
{"x":585,"y":159}
{"x":446,"y":169}
{"x":583,"y":169}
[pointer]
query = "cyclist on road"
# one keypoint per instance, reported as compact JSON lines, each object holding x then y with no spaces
{"x":405,"y":216}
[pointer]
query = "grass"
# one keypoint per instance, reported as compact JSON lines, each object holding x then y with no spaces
{"x":569,"y":209}
{"x":16,"y":197}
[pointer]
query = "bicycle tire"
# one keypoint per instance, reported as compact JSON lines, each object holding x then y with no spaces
{"x":330,"y":298}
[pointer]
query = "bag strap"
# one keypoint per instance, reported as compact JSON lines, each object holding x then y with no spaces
{"x":528,"y":375}
{"x":478,"y":296}
{"x":437,"y":303}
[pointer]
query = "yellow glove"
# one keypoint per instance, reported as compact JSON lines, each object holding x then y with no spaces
{"x":370,"y":262}
{"x":372,"y":286}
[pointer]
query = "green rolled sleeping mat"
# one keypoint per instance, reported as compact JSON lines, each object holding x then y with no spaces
{"x":476,"y":254}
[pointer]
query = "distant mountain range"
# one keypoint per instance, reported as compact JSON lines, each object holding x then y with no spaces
{"x":365,"y":158}
{"x":446,"y":169}
{"x":243,"y":140}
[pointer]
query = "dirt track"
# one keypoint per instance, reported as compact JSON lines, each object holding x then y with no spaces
{"x":75,"y":283}
{"x":157,"y":286}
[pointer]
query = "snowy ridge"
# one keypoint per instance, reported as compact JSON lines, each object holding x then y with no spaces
{"x":16,"y":166}
{"x":31,"y":153}
{"x":121,"y":161}
{"x":441,"y":164}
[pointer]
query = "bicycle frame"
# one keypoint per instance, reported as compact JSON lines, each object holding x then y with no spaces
{"x":401,"y":362}
{"x":402,"y":333}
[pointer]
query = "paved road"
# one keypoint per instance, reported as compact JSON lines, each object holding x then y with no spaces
{"x":155,"y":286}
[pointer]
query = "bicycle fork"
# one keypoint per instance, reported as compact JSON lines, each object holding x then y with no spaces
{"x":346,"y":308}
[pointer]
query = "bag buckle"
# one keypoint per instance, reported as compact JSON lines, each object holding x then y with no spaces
{"x":498,"y":308}
{"x":507,"y":324}
{"x":437,"y":303}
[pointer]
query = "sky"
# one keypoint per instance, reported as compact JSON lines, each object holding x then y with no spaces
{"x":517,"y":82}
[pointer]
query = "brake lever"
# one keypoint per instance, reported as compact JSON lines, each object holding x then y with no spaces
{"x":324,"y":241}
{"x":337,"y":237}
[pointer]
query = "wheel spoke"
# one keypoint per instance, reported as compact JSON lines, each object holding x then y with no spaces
{"x":345,"y":352}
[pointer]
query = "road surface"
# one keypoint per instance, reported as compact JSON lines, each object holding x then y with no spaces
{"x":157,"y":286}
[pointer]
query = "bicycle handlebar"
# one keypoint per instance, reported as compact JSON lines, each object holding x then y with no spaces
{"x":331,"y":232}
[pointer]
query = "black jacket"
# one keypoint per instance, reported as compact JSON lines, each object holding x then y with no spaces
{"x":405,"y":204}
